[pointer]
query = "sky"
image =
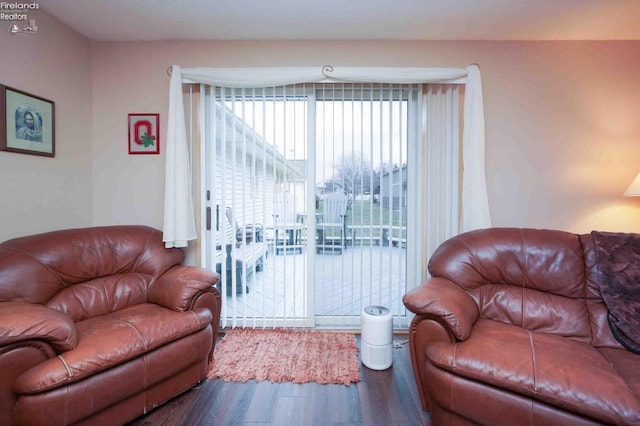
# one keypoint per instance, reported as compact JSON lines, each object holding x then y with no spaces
{"x":376,"y":130}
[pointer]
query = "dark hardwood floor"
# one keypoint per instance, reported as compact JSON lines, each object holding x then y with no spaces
{"x":387,"y":397}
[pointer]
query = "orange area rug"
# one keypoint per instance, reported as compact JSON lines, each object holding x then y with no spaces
{"x":280,"y":355}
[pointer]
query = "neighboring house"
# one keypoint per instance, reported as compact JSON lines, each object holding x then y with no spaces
{"x":393,"y":188}
{"x":297,"y":183}
{"x":248,"y":179}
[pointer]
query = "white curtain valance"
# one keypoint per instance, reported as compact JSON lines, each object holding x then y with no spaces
{"x":281,"y":76}
{"x":179,"y":221}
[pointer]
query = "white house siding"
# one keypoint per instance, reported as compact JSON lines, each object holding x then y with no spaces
{"x":393,"y":188}
{"x":251,"y":202}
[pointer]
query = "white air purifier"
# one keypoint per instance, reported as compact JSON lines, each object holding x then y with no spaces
{"x":376,"y":341}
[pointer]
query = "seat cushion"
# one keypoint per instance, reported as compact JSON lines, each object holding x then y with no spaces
{"x":108,"y":340}
{"x":561,"y":372}
{"x":626,"y":363}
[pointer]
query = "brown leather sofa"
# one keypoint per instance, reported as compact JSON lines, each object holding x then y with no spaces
{"x":100,"y":325}
{"x":511,"y":329}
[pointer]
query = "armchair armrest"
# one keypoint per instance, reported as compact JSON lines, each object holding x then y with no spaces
{"x":443,"y":300}
{"x":21,"y":321}
{"x":177,"y":287}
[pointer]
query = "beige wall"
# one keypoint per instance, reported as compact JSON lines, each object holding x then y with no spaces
{"x":563,"y":134}
{"x":562,"y":123}
{"x":39,"y":194}
{"x":562,"y":120}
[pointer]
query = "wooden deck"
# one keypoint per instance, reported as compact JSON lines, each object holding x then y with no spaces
{"x":343,"y":285}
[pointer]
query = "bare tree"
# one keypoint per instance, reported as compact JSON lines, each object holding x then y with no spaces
{"x":355,"y":174}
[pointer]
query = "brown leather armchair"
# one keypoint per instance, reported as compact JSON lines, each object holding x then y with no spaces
{"x":511,"y":329}
{"x":100,"y":325}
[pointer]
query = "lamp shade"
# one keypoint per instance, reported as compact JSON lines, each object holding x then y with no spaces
{"x":634,"y":189}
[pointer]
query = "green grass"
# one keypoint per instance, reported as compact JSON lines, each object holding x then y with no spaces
{"x":375,"y":216}
{"x":365,"y":213}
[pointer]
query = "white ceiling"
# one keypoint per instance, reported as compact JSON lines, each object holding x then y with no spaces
{"x":131,"y":20}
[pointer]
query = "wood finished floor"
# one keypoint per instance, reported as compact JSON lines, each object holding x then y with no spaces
{"x":387,"y":397}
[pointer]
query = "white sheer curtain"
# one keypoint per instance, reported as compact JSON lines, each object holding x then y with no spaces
{"x":179,"y":223}
{"x":475,"y":203}
{"x":441,"y":165}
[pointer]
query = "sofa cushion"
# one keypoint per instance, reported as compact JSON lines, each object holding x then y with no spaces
{"x":626,"y":364}
{"x":110,"y":340}
{"x":36,"y":267}
{"x":102,"y":295}
{"x":544,"y":260}
{"x":561,"y":372}
{"x":531,"y":278}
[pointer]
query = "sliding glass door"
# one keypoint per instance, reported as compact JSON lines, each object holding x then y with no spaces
{"x":361,"y":153}
{"x":307,"y":193}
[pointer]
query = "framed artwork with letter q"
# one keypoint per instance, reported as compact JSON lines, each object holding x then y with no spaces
{"x":144,"y":133}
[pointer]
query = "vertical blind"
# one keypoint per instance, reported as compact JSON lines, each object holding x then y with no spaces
{"x":392,"y":149}
{"x":255,"y":141}
{"x":179,"y":221}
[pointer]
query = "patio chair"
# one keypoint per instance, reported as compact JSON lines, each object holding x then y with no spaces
{"x":332,"y":220}
{"x":287,"y":228}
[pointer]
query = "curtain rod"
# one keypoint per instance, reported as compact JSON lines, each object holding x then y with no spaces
{"x":170,"y":68}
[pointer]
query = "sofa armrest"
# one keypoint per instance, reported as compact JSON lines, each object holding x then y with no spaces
{"x":21,"y":321}
{"x":177,"y":287}
{"x":443,"y":300}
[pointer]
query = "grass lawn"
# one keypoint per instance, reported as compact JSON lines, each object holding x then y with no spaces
{"x":374,"y":217}
{"x":366,"y":213}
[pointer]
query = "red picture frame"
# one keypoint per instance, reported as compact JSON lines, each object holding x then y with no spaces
{"x":144,"y":133}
